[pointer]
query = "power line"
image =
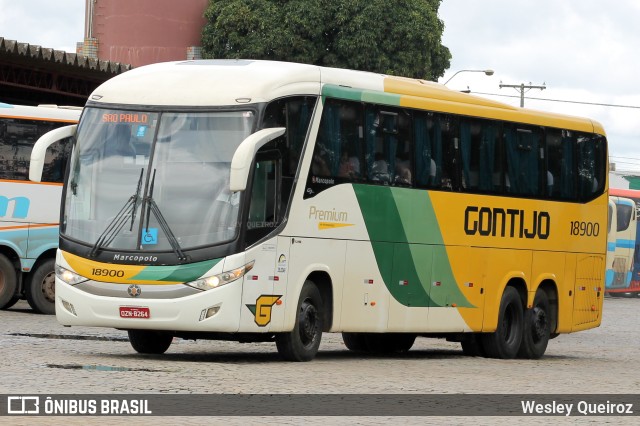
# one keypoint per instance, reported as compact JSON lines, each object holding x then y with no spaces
{"x":560,"y":100}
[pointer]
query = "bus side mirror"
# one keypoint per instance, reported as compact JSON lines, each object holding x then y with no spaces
{"x":243,"y":157}
{"x":40,"y":149}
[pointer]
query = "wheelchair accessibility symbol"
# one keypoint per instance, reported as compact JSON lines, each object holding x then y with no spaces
{"x":150,"y":236}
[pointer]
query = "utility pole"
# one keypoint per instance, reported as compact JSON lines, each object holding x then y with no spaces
{"x":521,"y":87}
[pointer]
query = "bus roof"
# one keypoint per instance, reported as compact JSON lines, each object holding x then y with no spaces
{"x":234,"y":82}
{"x":41,"y":112}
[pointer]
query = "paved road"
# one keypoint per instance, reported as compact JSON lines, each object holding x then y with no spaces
{"x":40,"y":356}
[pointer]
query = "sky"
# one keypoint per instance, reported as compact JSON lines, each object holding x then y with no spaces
{"x":585,"y":53}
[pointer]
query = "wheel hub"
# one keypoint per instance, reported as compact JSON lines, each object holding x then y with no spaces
{"x":539,"y":323}
{"x":49,"y":287}
{"x":308,"y":322}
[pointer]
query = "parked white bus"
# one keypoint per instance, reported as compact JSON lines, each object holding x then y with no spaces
{"x":29,"y":212}
{"x":272,"y":201}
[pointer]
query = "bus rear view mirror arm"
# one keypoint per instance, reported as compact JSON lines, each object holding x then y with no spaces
{"x":243,"y":157}
{"x":39,"y":150}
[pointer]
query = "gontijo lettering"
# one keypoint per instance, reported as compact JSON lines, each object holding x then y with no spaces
{"x":512,"y":223}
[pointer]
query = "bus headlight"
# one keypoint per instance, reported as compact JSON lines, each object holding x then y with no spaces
{"x":216,"y":281}
{"x":69,"y":277}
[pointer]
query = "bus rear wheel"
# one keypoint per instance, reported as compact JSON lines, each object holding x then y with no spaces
{"x":8,"y":283}
{"x":41,"y":288}
{"x":150,"y":341}
{"x":302,"y":343}
{"x":505,"y":342}
{"x":537,"y":328}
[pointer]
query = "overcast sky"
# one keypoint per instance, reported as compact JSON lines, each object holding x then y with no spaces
{"x":582,"y":50}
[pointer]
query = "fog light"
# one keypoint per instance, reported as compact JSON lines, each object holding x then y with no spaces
{"x":69,"y":307}
{"x":209,"y":312}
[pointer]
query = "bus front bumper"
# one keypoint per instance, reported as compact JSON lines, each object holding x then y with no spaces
{"x":213,"y":310}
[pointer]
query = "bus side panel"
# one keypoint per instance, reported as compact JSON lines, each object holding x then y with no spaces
{"x":470,"y":271}
{"x":280,"y":283}
{"x":258,"y":294}
{"x":502,"y":266}
{"x":411,"y":278}
{"x":366,"y":301}
{"x":589,"y":292}
{"x":309,"y":255}
{"x":546,"y":266}
{"x":15,"y":236}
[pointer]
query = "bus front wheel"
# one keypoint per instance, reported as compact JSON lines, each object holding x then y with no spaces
{"x":302,"y":343}
{"x":537,"y":328}
{"x":8,"y":283}
{"x":41,"y":289}
{"x":150,"y":341}
{"x":505,"y":342}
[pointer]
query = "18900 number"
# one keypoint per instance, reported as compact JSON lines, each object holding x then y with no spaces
{"x":585,"y":229}
{"x":113,"y":273}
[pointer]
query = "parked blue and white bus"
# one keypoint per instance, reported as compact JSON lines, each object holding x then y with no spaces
{"x":631,"y":286}
{"x":621,"y":243}
{"x":29,"y":211}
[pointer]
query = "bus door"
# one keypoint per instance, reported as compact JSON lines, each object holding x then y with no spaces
{"x":264,"y":286}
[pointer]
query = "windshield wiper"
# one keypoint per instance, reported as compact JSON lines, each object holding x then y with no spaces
{"x":152,"y":207}
{"x":119,"y":220}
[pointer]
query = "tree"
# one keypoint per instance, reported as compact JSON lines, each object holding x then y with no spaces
{"x":398,"y":38}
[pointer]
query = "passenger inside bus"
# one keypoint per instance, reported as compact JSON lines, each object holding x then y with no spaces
{"x":379,"y":169}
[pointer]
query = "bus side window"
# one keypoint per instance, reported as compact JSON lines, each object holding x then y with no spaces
{"x":55,"y":162}
{"x":480,"y":163}
{"x":591,"y":165}
{"x":265,"y":206}
{"x":381,"y":143}
{"x":524,"y":158}
{"x":449,"y":167}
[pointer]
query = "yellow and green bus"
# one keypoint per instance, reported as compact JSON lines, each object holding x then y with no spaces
{"x":269,"y":201}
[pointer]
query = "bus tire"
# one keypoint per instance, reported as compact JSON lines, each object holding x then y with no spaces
{"x":8,"y":282}
{"x":11,"y":302}
{"x":472,"y":345}
{"x":355,"y":342}
{"x":537,"y":328}
{"x":504,"y":343}
{"x":41,"y":288}
{"x":150,"y":341}
{"x":302,"y":343}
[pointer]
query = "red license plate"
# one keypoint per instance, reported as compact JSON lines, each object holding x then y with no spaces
{"x":134,"y":312}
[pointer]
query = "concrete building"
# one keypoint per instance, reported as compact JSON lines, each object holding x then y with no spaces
{"x":141,"y":32}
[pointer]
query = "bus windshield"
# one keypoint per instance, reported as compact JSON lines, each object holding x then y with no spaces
{"x":144,"y":181}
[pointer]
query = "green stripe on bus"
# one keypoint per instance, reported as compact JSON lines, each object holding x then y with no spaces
{"x":179,"y":273}
{"x":340,"y":92}
{"x":408,"y":246}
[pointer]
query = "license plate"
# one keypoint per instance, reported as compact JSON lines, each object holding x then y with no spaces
{"x":134,"y":312}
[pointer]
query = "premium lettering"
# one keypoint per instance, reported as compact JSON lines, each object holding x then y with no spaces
{"x":332,"y":215}
{"x":511,"y":223}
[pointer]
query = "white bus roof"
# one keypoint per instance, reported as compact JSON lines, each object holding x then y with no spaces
{"x":41,"y":112}
{"x":203,"y":83}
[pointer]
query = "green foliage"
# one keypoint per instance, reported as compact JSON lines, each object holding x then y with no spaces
{"x":402,"y":37}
